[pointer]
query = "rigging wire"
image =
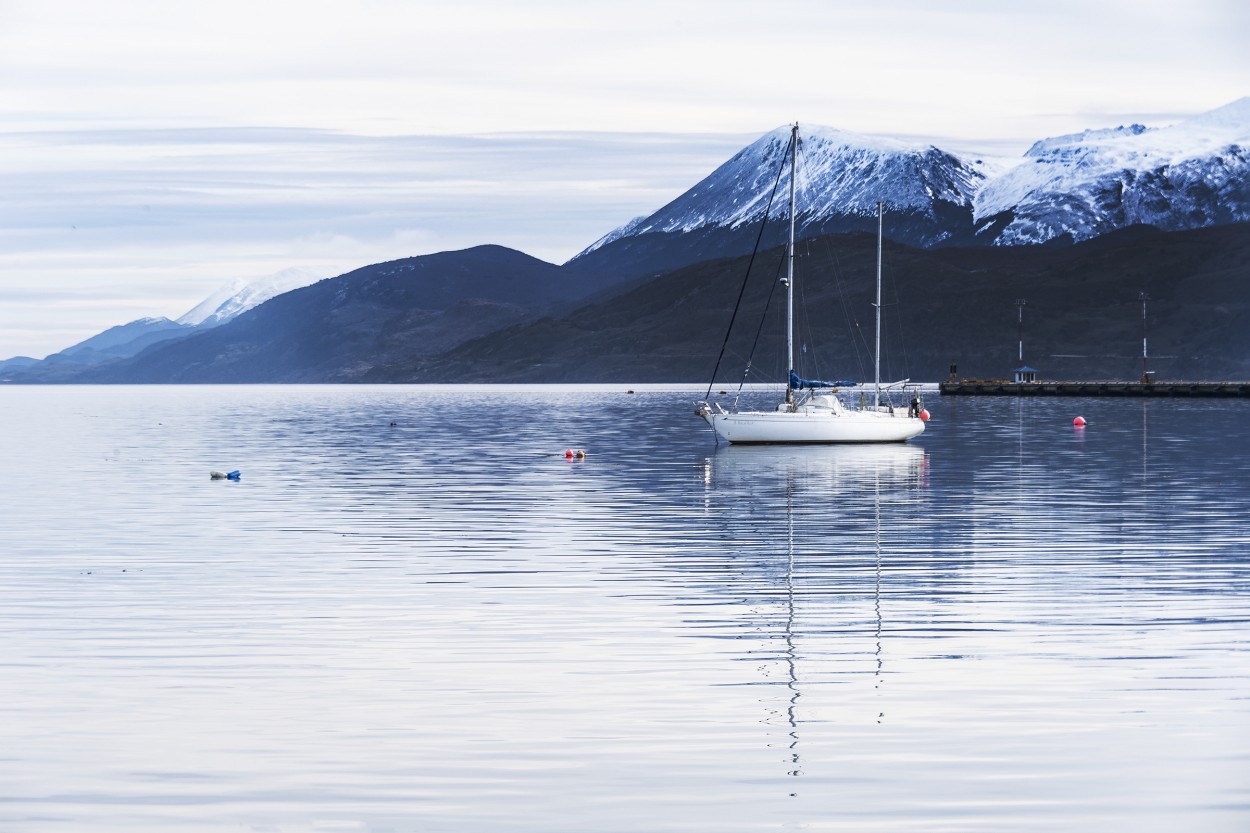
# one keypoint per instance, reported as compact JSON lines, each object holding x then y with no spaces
{"x":819,"y":248}
{"x":742,"y":291}
{"x":897,"y":315}
{"x":855,"y":338}
{"x":760,"y":329}
{"x":814,"y":250}
{"x":805,"y":323}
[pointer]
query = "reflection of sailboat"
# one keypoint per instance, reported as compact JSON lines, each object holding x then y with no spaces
{"x":832,"y":469}
{"x":876,"y":590}
{"x":811,"y":412}
{"x":792,"y":659}
{"x":822,"y":491}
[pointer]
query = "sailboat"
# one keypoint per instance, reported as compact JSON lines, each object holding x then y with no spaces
{"x":812,"y":411}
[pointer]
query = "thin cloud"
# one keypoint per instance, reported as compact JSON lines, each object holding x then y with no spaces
{"x":163,"y":149}
{"x":147,"y":223}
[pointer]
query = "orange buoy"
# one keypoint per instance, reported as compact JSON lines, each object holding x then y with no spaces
{"x":924,"y":415}
{"x":1079,"y":422}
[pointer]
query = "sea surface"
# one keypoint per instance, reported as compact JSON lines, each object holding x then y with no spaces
{"x":413,"y":612}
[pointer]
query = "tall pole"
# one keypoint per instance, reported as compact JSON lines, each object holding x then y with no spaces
{"x":1020,"y":302}
{"x":1144,"y":373}
{"x":794,"y":148}
{"x":876,"y":391}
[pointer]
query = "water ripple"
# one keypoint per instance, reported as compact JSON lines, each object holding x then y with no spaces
{"x":414,"y":612}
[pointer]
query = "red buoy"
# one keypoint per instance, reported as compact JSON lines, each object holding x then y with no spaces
{"x":924,"y":415}
{"x":1079,"y":422}
{"x":568,"y":453}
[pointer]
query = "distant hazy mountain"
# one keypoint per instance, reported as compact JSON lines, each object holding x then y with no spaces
{"x":125,"y":340}
{"x":122,"y":340}
{"x":338,"y":330}
{"x":17,"y":363}
{"x":115,"y":343}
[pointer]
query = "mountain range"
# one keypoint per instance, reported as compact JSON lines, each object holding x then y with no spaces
{"x":130,"y":339}
{"x":1063,"y":190}
{"x":493,"y":314}
{"x":943,"y":307}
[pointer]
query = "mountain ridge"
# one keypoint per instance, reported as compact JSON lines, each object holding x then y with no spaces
{"x":1066,"y":190}
{"x":1063,"y":190}
{"x":335,"y":330}
{"x":951,"y":306}
{"x":240,"y":295}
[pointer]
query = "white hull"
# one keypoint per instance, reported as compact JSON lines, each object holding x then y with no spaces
{"x":813,"y":425}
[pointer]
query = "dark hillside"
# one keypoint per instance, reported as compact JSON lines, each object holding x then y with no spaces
{"x":1082,"y":319}
{"x":339,"y":329}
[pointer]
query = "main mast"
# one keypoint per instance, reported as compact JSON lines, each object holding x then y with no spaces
{"x":876,"y":390}
{"x":794,"y":147}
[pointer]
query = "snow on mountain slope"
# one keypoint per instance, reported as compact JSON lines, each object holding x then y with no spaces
{"x":1191,"y":174}
{"x":848,"y":173}
{"x":840,"y":173}
{"x":616,"y":234}
{"x":240,"y":295}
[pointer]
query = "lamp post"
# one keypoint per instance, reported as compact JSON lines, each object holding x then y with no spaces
{"x":1145,"y":373}
{"x":1020,"y":302}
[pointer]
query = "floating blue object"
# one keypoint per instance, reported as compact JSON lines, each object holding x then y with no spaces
{"x":234,"y":475}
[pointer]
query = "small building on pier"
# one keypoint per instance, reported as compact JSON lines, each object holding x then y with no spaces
{"x":1024,"y":373}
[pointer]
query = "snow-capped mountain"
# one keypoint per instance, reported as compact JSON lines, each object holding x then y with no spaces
{"x":130,"y":339}
{"x":841,"y":176}
{"x":240,"y":295}
{"x":1193,"y":174}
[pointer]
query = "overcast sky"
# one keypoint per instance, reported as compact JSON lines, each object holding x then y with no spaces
{"x":153,"y":151}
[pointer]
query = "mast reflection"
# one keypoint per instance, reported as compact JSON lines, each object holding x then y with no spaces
{"x":832,"y":499}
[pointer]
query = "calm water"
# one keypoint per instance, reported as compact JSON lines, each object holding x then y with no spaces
{"x":444,"y":625}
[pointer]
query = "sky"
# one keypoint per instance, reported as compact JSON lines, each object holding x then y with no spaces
{"x":151,"y":152}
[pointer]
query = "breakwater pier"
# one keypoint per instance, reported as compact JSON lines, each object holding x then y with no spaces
{"x":992,"y":387}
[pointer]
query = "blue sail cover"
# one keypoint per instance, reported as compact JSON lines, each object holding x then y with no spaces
{"x":811,"y":384}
